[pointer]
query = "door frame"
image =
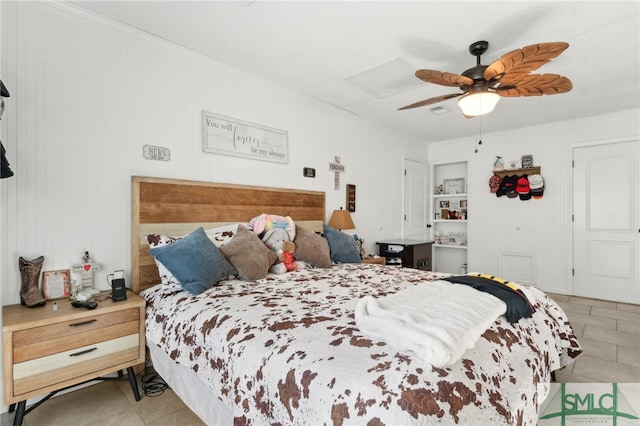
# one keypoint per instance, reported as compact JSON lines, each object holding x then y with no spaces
{"x":571,"y":147}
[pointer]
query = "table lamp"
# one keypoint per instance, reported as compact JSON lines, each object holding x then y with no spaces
{"x":341,"y":219}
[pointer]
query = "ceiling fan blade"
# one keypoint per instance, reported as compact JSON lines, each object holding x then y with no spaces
{"x":431,"y":101}
{"x":513,"y":66}
{"x":443,"y":78}
{"x":536,"y":85}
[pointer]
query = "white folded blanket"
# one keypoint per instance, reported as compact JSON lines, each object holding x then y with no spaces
{"x":436,"y":320}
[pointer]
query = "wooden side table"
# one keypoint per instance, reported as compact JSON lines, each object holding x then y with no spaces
{"x":47,"y":350}
{"x":380,"y":260}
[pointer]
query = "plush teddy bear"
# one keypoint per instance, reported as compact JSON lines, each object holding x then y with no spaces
{"x":277,"y":239}
{"x":266,"y":222}
{"x":286,"y":256}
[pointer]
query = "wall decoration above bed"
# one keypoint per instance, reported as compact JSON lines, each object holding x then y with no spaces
{"x":230,"y":136}
{"x":351,"y":198}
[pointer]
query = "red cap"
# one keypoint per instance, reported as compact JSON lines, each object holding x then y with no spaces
{"x":523,"y":189}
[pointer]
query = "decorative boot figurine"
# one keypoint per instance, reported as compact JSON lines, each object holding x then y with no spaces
{"x":30,"y":293}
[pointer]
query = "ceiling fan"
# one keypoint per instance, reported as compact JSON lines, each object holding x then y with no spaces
{"x":482,"y":85}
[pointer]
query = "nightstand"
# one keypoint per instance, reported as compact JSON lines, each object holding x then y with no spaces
{"x":411,"y":253}
{"x":47,"y":350}
{"x":377,"y":260}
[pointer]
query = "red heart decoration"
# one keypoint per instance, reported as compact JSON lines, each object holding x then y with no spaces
{"x":87,"y":266}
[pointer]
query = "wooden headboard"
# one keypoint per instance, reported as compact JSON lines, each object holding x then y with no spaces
{"x":177,"y":207}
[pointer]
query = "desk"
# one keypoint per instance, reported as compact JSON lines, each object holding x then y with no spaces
{"x":412,"y":253}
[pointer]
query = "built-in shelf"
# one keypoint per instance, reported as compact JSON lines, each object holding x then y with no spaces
{"x":519,"y":172}
{"x":450,"y":257}
{"x":460,"y":195}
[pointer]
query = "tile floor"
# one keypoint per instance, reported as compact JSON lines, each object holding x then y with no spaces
{"x":609,"y":333}
{"x":109,"y":403}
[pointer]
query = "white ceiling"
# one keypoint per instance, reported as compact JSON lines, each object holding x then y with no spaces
{"x":317,"y":48}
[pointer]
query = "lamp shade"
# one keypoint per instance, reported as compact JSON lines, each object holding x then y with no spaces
{"x":341,"y":219}
{"x":478,"y":103}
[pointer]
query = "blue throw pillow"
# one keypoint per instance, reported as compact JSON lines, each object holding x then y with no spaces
{"x":342,"y":246}
{"x":195,"y":261}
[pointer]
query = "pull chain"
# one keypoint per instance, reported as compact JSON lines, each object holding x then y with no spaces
{"x":479,"y":142}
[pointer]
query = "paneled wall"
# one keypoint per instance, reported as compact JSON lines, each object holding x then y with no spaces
{"x":87,"y":94}
{"x":529,"y":241}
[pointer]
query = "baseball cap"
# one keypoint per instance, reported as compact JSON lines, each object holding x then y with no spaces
{"x":510,"y":186}
{"x":522,"y":188}
{"x":536,"y":183}
{"x":494,"y":183}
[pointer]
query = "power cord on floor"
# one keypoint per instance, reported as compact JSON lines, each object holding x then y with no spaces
{"x":152,"y":383}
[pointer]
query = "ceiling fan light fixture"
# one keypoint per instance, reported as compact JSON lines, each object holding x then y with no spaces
{"x":478,"y":103}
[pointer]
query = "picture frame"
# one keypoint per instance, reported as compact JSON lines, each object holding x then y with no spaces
{"x":444,"y":204}
{"x":351,"y":198}
{"x":454,"y":186}
{"x":56,"y":284}
{"x":527,"y":161}
{"x":512,"y":165}
{"x":437,"y":216}
{"x":463,"y":204}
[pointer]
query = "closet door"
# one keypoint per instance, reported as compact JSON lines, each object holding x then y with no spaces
{"x":606,"y":228}
{"x":416,"y":184}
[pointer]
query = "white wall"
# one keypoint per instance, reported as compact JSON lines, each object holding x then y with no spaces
{"x":540,"y":230}
{"x":87,"y":94}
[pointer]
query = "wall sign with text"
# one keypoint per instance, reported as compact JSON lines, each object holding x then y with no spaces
{"x":230,"y":136}
{"x":152,"y":152}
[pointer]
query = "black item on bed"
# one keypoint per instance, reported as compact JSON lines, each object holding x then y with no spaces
{"x":518,"y":305}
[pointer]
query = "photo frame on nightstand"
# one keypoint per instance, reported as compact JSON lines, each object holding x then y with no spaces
{"x":56,"y":284}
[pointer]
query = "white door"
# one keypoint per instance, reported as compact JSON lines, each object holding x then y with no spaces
{"x":606,"y":228}
{"x":416,"y":184}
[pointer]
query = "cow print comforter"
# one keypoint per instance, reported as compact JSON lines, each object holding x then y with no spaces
{"x":286,"y":350}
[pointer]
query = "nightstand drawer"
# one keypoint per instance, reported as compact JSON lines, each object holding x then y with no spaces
{"x":58,"y":367}
{"x":65,"y":336}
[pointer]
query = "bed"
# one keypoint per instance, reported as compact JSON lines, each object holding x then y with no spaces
{"x":286,"y":349}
